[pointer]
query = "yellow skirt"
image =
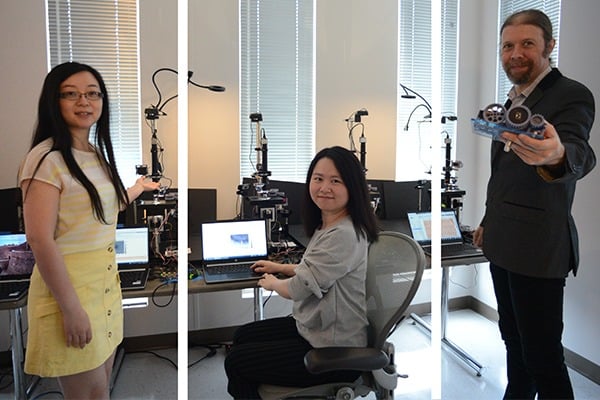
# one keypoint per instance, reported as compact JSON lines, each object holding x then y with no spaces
{"x":96,"y":280}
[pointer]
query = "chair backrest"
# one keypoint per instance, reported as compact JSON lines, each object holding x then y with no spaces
{"x":395,"y":267}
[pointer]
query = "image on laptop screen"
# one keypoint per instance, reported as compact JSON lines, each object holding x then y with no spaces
{"x":234,"y":239}
{"x":131,"y":245}
{"x":16,"y":257}
{"x":420,"y":226}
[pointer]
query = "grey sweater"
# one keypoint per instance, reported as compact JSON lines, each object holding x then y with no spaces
{"x":329,"y":288}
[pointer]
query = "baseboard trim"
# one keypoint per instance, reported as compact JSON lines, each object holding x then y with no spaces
{"x":575,"y":361}
{"x":211,"y":336}
{"x":582,"y":365}
{"x":150,"y":342}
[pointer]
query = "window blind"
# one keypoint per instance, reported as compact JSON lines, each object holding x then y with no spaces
{"x":277,"y":80}
{"x":104,"y":34}
{"x":551,"y":8}
{"x":414,"y":71}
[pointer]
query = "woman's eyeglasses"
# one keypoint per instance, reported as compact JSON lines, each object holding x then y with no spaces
{"x":92,"y":95}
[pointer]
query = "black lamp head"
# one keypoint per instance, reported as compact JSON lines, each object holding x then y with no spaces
{"x":406,"y":95}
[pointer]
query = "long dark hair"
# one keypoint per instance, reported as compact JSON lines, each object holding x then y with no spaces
{"x":359,"y":203}
{"x":50,"y":124}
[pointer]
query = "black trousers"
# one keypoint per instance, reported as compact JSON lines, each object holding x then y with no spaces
{"x":531,"y":325}
{"x":272,"y":352}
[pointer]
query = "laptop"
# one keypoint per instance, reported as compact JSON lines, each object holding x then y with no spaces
{"x":131,"y":248}
{"x":229,"y":248}
{"x":16,"y":265}
{"x":453,"y":244}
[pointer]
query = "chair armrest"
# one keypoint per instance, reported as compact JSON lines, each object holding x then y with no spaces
{"x":327,"y":359}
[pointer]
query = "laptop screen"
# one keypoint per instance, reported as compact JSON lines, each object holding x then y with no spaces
{"x":131,"y":245}
{"x":224,"y":240}
{"x":16,"y":257}
{"x":420,"y":227}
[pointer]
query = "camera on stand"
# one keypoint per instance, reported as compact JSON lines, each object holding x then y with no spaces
{"x":141,"y":169}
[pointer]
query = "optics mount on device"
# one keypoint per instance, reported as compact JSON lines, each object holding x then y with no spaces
{"x":154,"y":112}
{"x":353,"y":121}
{"x":160,"y":213}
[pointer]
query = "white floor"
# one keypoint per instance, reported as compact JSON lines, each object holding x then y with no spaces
{"x":146,"y":376}
{"x":473,"y":333}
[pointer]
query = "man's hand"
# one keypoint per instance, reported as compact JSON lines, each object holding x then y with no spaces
{"x":547,"y":152}
{"x":478,"y":237}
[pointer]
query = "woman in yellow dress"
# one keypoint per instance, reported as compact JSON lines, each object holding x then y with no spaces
{"x":72,"y":194}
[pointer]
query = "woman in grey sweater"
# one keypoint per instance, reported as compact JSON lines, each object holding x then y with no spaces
{"x":327,"y":286}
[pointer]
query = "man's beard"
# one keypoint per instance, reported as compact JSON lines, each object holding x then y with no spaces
{"x":523,"y":77}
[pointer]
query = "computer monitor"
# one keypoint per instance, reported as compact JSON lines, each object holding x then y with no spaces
{"x":10,"y":210}
{"x":202,"y":207}
{"x":402,"y":197}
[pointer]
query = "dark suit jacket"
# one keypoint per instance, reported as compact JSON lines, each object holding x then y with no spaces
{"x":528,"y":226}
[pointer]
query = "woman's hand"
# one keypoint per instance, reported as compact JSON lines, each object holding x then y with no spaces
{"x":270,"y":267}
{"x":77,"y":327}
{"x":265,"y":266}
{"x":142,"y":184}
{"x":271,"y":282}
{"x":147,"y":184}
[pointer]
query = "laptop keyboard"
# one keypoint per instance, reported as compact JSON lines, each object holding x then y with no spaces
{"x":230,"y":269}
{"x":460,"y":250}
{"x":10,"y":290}
{"x":133,"y":278}
{"x":453,"y":248}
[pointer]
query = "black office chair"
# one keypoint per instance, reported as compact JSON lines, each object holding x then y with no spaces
{"x":395,"y":268}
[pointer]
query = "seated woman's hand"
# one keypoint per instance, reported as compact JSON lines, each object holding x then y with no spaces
{"x":265,"y":266}
{"x":268,"y":282}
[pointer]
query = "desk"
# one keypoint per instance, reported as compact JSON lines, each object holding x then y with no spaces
{"x":199,"y":286}
{"x":463,"y":355}
{"x":402,"y":226}
{"x":15,"y":309}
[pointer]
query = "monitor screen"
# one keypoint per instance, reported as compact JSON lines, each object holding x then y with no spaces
{"x":16,"y":257}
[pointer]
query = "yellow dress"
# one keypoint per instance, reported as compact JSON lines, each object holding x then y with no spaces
{"x":87,"y":246}
{"x":96,"y":282}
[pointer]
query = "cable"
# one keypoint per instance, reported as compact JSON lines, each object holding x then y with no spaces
{"x":413,"y":111}
{"x":351,"y":138}
{"x":212,"y":351}
{"x":156,"y":355}
{"x":474,"y":280}
{"x":172,"y":296}
{"x":268,"y":298}
{"x":159,"y":106}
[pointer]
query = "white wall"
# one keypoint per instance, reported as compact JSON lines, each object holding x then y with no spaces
{"x":214,"y":144}
{"x":356,"y":55}
{"x":578,"y":42}
{"x":22,"y":75}
{"x":158,"y":49}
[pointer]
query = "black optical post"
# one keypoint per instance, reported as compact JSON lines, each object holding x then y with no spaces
{"x":152,"y":116}
{"x":262,"y":171}
{"x":354,"y":120}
